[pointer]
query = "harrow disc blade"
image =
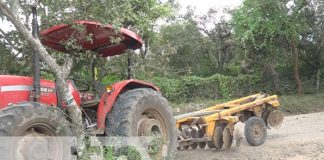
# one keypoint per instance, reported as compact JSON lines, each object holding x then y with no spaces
{"x":227,"y":138}
{"x":194,"y":134}
{"x":218,"y":138}
{"x":275,"y":119}
{"x":238,"y":137}
{"x":186,"y":147}
{"x":210,"y":144}
{"x":201,"y":134}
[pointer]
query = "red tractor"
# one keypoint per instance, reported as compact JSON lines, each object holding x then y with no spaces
{"x":126,"y":108}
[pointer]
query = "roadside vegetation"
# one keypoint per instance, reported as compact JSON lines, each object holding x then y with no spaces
{"x":289,"y":104}
{"x":269,"y":46}
{"x":302,"y":104}
{"x":272,"y":46}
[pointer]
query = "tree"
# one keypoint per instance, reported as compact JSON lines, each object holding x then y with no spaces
{"x":182,"y":44}
{"x":13,"y":52}
{"x":140,"y":15}
{"x":219,"y":33}
{"x":10,"y":11}
{"x":312,"y":41}
{"x":266,"y":23}
{"x":188,"y":46}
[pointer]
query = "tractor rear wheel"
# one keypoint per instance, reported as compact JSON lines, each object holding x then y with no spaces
{"x":255,"y":131}
{"x":144,"y":112}
{"x":30,"y":131}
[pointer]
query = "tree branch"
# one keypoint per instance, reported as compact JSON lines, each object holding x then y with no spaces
{"x":4,"y":36}
{"x":34,"y":42}
{"x":67,"y":66}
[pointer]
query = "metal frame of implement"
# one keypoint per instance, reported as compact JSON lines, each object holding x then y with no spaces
{"x":225,"y":116}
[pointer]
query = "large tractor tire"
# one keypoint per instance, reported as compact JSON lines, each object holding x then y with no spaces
{"x":255,"y":131}
{"x":29,"y":132}
{"x":144,"y":112}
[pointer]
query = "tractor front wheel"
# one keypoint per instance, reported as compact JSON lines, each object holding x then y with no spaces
{"x":29,"y":131}
{"x":144,"y":112}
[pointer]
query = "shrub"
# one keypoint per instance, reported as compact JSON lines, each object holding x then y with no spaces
{"x":188,"y":88}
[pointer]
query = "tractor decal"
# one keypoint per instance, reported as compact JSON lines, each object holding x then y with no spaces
{"x":13,"y":88}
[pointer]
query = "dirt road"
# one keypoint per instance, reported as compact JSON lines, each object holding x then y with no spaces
{"x":301,"y":137}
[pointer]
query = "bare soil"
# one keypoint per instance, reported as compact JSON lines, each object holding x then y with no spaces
{"x":301,"y":137}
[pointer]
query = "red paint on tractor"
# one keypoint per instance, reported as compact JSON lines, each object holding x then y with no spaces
{"x":108,"y":99}
{"x":15,"y":89}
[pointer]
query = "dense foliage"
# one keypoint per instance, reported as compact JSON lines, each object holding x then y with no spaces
{"x":267,"y":45}
{"x":188,"y":88}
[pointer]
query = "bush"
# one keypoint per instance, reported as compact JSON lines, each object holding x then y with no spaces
{"x":188,"y":88}
{"x":171,"y":88}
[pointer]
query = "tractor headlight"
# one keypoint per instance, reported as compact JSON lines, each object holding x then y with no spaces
{"x":109,"y":89}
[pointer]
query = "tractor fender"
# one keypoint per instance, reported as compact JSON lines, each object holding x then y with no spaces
{"x":108,"y":99}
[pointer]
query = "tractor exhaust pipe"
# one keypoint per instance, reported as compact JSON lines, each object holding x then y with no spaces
{"x":129,"y":65}
{"x":36,"y":62}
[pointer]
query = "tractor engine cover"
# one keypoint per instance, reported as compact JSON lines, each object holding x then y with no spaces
{"x":16,"y":89}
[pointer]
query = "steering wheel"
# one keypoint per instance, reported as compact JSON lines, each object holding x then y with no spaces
{"x":80,"y":85}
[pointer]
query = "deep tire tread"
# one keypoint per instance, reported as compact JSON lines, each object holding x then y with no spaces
{"x":119,"y":120}
{"x":248,"y":131}
{"x":16,"y":116}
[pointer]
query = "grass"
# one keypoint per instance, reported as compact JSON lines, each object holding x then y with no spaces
{"x":302,"y":104}
{"x":290,"y":104}
{"x":181,"y":108}
{"x":123,"y":152}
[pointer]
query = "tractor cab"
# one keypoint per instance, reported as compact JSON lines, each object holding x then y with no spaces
{"x":101,"y":39}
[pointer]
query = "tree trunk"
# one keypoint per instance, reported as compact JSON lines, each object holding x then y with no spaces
{"x":296,"y":67}
{"x":318,"y":80}
{"x":275,"y":75}
{"x":61,"y":72}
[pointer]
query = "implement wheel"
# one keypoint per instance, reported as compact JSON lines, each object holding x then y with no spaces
{"x":218,"y":138}
{"x":144,"y":112}
{"x":255,"y":131}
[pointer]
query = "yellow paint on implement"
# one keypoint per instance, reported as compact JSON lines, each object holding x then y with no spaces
{"x":228,"y":112}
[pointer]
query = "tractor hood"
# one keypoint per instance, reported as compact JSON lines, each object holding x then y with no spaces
{"x":94,"y":36}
